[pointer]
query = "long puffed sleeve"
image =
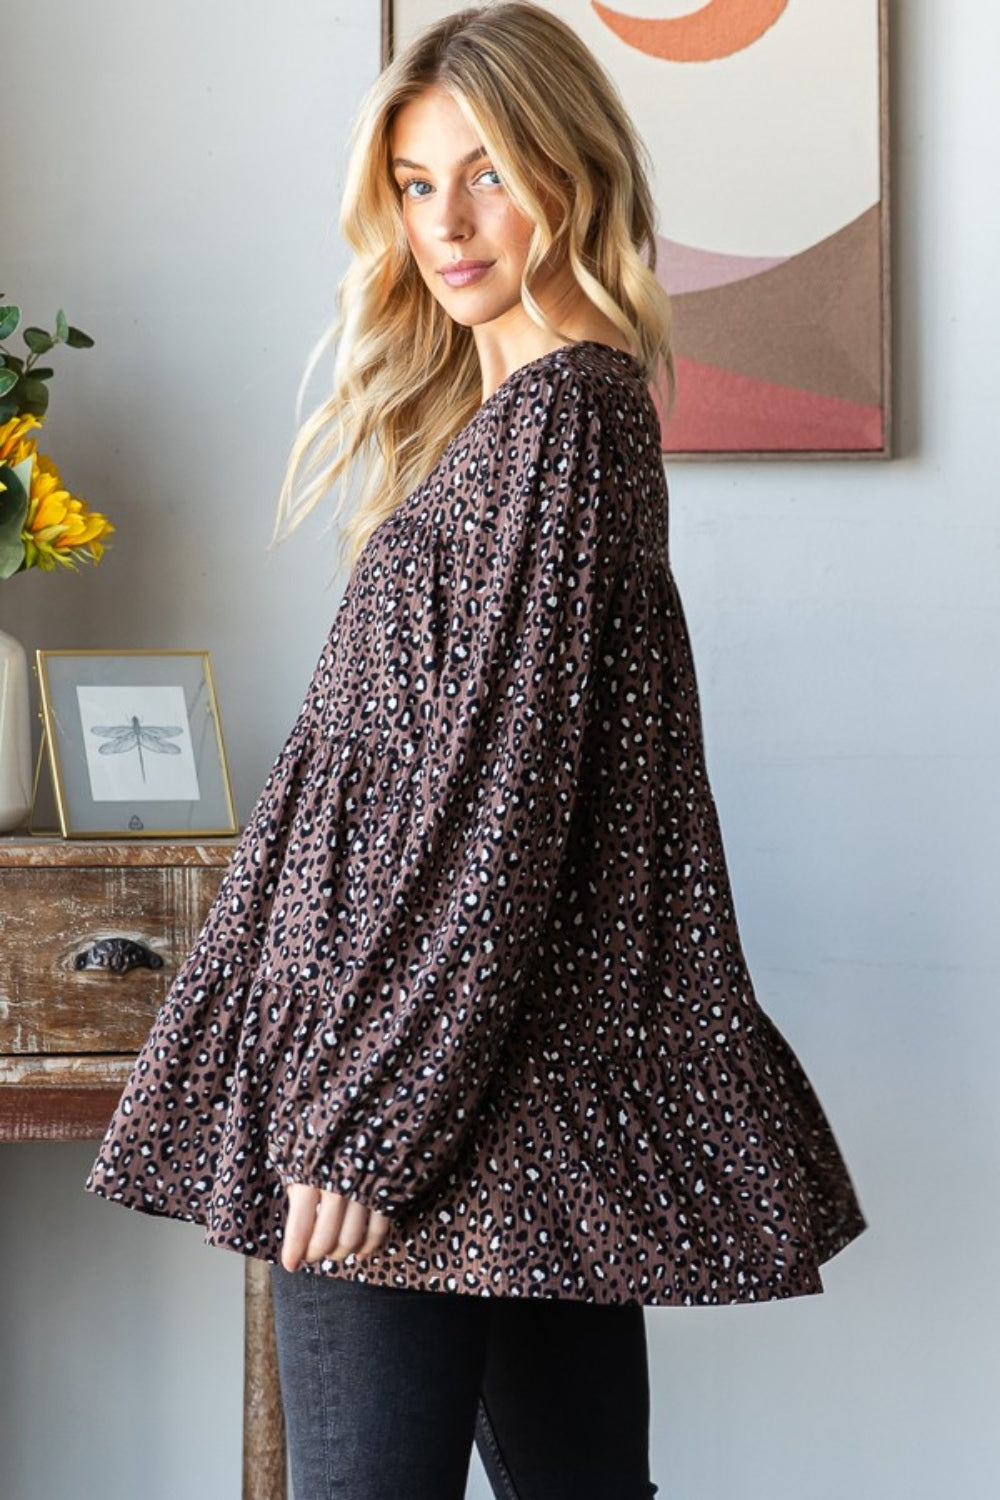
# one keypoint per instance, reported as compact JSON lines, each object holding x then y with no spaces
{"x":498,"y":695}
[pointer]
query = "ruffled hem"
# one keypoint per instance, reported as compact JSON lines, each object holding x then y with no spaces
{"x":504,"y":1219}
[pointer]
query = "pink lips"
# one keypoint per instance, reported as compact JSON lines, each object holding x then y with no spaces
{"x":465,"y":272}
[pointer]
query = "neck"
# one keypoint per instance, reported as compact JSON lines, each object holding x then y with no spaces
{"x":515,"y":339}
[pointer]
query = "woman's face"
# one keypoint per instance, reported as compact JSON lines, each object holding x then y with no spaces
{"x":467,"y":238}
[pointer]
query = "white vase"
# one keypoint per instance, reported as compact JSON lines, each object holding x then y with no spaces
{"x":15,"y":735}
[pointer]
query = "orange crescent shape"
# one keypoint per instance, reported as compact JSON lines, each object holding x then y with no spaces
{"x":718,"y":29}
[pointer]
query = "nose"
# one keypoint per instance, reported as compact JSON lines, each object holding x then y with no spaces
{"x":452,"y":219}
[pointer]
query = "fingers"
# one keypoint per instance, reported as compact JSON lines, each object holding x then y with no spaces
{"x":299,"y":1221}
{"x":328,"y":1226}
{"x":378,"y":1230}
{"x":345,"y":1227}
{"x":334,"y":1210}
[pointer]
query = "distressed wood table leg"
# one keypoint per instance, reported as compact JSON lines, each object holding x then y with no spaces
{"x":264,"y":1469}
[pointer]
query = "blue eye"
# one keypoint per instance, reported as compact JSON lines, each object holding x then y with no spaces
{"x":490,"y":172}
{"x":410,"y":189}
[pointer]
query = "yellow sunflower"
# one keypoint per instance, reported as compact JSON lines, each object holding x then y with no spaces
{"x":59,"y":528}
{"x":15,"y":445}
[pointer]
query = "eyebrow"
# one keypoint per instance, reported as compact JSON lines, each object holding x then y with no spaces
{"x":416,"y":166}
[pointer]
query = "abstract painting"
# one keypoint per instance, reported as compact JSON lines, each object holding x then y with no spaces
{"x":766,"y":123}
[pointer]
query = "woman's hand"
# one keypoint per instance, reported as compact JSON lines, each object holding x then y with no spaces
{"x":327,"y":1226}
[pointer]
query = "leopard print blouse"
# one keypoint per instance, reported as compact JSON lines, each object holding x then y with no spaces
{"x":475,"y":960}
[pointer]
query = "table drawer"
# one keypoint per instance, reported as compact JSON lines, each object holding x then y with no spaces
{"x":59,"y":994}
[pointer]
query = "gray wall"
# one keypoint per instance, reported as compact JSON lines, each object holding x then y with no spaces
{"x":175,"y":187}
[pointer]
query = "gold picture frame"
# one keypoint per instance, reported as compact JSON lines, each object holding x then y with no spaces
{"x":133,"y":741}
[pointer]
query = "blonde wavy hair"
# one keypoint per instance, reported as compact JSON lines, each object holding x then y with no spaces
{"x":406,"y":377}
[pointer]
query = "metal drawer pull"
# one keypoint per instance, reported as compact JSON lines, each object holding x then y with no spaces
{"x":118,"y":954}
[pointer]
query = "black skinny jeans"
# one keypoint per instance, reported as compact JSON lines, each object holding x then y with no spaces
{"x":386,"y":1389}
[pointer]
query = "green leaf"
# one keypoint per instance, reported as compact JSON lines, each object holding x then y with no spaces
{"x":13,"y":496}
{"x":77,"y":339}
{"x":11,"y":555}
{"x":12,"y":361}
{"x":8,"y":409}
{"x":38,"y":341}
{"x":38,"y":372}
{"x":8,"y":380}
{"x":10,"y":317}
{"x":13,"y":510}
{"x":34,"y":397}
{"x":62,"y":327}
{"x":16,"y":479}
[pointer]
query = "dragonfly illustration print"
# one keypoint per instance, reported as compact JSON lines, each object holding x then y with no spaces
{"x":123,"y":738}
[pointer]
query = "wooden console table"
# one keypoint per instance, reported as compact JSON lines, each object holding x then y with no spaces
{"x":73,"y":1015}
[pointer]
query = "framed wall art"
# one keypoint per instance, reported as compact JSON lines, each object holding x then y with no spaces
{"x":134,"y":744}
{"x":767,"y":126}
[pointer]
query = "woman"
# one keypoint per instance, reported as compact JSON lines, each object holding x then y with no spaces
{"x":468,"y":1041}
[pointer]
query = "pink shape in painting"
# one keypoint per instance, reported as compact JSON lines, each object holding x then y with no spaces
{"x":683,"y":268}
{"x":717,"y":411}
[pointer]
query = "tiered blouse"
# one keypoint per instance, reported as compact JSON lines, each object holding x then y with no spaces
{"x":475,"y":961}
